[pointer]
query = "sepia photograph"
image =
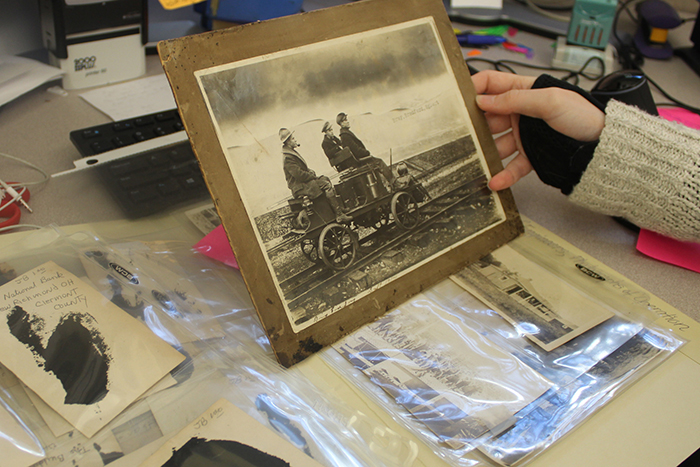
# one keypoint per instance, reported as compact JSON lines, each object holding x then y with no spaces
{"x":343,"y":168}
{"x":461,"y":390}
{"x":543,"y":307}
{"x":355,"y":160}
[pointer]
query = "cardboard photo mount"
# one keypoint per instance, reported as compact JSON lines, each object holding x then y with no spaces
{"x":376,"y":25}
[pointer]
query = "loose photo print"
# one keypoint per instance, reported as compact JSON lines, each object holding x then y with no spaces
{"x":81,"y":354}
{"x":545,"y":308}
{"x":353,"y":161}
{"x":225,"y":435}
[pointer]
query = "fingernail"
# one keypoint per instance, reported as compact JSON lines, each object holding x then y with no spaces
{"x":483,"y":99}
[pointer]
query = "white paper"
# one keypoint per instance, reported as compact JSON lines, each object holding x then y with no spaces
{"x":496,"y":4}
{"x":57,"y":424}
{"x":85,"y":357}
{"x":545,"y":308}
{"x":226,"y":424}
{"x":133,"y":98}
{"x":19,"y":75}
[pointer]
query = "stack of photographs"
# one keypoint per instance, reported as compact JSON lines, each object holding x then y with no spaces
{"x":506,"y":358}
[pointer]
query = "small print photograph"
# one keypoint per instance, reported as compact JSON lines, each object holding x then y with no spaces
{"x":461,"y":390}
{"x":81,"y":354}
{"x":224,"y":436}
{"x":545,"y":308}
{"x":550,"y":417}
{"x":356,"y":161}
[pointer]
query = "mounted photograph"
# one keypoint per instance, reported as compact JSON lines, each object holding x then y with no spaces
{"x":349,"y":169}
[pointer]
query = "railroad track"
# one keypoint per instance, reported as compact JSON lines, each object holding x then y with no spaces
{"x":304,"y":284}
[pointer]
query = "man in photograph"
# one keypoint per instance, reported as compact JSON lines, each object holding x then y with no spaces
{"x":339,"y":157}
{"x":358,"y":149}
{"x":303,"y":181}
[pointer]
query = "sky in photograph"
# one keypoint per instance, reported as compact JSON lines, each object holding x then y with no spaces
{"x":393,"y":83}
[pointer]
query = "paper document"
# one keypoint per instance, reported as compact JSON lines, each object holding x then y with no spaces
{"x":496,"y":4}
{"x":81,"y":354}
{"x":132,"y":98}
{"x":19,"y":75}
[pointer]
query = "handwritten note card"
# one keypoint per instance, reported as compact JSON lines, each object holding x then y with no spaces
{"x":230,"y":436}
{"x":84,"y":356}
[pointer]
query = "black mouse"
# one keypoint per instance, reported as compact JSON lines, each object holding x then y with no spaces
{"x":627,"y":86}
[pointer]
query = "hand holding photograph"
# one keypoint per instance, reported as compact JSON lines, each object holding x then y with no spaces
{"x":347,"y":160}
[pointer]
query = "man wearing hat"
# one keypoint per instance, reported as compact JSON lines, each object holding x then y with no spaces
{"x":331,"y":144}
{"x":333,"y":147}
{"x":303,"y":181}
{"x":358,"y":149}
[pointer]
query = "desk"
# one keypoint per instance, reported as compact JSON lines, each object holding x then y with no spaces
{"x":35,"y":127}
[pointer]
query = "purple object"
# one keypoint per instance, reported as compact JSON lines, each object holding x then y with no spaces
{"x":655,"y":14}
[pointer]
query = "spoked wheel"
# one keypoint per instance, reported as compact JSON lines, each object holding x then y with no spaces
{"x":405,"y":210}
{"x":337,"y":246}
{"x":381,"y":220}
{"x":310,"y":250}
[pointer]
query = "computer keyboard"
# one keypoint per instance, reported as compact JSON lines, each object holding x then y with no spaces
{"x":154,"y":178}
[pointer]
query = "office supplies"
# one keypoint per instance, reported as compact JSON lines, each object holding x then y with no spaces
{"x":656,"y":17}
{"x":513,"y":13}
{"x":143,"y":181}
{"x":133,"y":98}
{"x":9,"y":208}
{"x":669,"y":250}
{"x":95,"y":42}
{"x":17,"y":197}
{"x":586,"y":41}
{"x":591,"y":23}
{"x":477,"y":40}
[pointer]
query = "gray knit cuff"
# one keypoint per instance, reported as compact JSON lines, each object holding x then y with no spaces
{"x":646,"y":170}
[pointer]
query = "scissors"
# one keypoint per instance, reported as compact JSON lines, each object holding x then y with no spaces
{"x":9,"y":210}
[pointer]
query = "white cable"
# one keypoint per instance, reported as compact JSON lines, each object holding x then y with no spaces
{"x":546,"y":13}
{"x":30,"y":165}
{"x":9,"y":187}
{"x":17,"y":226}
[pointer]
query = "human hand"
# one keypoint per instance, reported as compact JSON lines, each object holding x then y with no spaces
{"x":505,"y":96}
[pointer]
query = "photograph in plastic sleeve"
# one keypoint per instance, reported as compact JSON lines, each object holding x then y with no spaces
{"x":556,"y":412}
{"x":461,"y":389}
{"x":561,"y":365}
{"x":18,"y":445}
{"x":133,"y":278}
{"x":543,"y":307}
{"x":224,"y":435}
{"x":18,"y":448}
{"x":86,"y":358}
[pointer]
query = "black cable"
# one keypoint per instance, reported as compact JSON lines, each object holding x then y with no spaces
{"x":498,"y":65}
{"x":624,"y":52}
{"x":675,"y":102}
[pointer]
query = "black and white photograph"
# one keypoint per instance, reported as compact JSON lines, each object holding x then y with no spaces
{"x":346,"y":158}
{"x":355,"y":159}
{"x":553,"y":415}
{"x":542,"y":306}
{"x":85,"y":357}
{"x":463,"y":389}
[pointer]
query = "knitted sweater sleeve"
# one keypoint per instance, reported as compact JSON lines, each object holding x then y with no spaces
{"x":646,"y":170}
